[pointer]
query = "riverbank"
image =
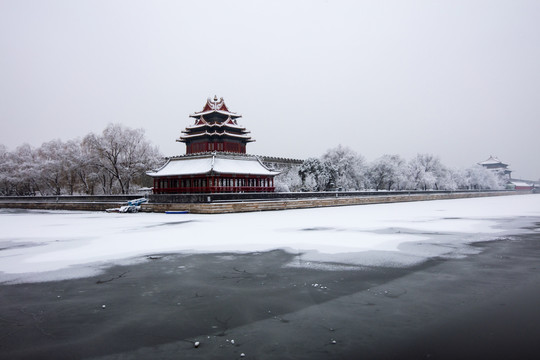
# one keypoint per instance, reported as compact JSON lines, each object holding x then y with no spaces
{"x":231,"y":203}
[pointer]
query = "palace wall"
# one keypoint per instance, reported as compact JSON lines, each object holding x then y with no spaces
{"x":229,"y":203}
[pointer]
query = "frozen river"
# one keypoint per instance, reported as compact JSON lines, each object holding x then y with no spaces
{"x":439,"y":279}
{"x":49,"y":245}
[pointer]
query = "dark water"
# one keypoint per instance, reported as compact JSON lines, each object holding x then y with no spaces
{"x":483,"y":306}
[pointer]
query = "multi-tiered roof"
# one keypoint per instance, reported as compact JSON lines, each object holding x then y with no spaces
{"x":216,"y":159}
{"x":215,"y":129}
{"x":494,"y":164}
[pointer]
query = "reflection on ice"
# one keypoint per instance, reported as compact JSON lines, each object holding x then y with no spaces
{"x":367,"y":258}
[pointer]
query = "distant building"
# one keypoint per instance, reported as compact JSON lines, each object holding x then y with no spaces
{"x":216,"y":159}
{"x":521,"y":185}
{"x":500,"y":168}
{"x":497,"y":166}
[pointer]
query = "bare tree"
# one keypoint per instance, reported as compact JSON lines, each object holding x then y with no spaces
{"x":87,"y":169}
{"x":51,"y":168}
{"x":121,"y":154}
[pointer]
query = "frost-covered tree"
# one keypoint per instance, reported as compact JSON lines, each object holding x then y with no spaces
{"x":51,"y":169}
{"x":387,"y":172}
{"x":117,"y":160}
{"x":313,"y":175}
{"x":479,"y":178}
{"x":288,"y":180}
{"x":449,"y":179}
{"x":345,"y":169}
{"x":59,"y":165}
{"x":24,"y":171}
{"x":72,"y":162}
{"x":338,"y":168}
{"x":88,"y":171}
{"x":6,"y":171}
{"x":425,"y":170}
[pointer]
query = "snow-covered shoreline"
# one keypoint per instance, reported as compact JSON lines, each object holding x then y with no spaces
{"x":54,"y":245}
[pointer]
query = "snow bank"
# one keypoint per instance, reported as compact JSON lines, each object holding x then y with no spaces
{"x":48,"y":245}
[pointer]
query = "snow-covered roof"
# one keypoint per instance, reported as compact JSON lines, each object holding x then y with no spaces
{"x":492,"y":160}
{"x":247,"y":166}
{"x":215,"y":106}
{"x":219,"y":125}
{"x":228,"y":113}
{"x":520,"y":183}
{"x":212,"y":163}
{"x":215,"y":133}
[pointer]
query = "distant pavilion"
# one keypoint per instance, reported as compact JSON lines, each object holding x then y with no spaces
{"x":216,"y":160}
{"x":497,"y":166}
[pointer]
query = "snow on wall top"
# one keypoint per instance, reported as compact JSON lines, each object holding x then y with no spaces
{"x":212,"y":164}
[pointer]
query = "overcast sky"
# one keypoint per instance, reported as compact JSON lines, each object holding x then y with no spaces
{"x":458,"y":79}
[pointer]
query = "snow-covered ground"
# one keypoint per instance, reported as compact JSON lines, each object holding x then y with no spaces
{"x":51,"y":245}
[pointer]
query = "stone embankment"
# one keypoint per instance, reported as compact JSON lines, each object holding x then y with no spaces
{"x":66,"y":202}
{"x":231,"y":203}
{"x":313,"y":202}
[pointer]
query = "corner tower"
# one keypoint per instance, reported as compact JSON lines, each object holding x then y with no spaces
{"x":215,"y":159}
{"x":215,"y":129}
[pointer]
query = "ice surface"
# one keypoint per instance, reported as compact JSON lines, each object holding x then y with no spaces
{"x":49,"y":245}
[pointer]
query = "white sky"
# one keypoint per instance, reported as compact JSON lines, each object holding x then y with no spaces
{"x":459,"y":79}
